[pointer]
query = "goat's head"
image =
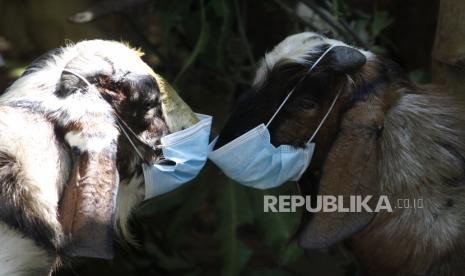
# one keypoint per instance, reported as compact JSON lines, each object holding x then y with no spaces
{"x":101,"y":83}
{"x":344,"y":161}
{"x":142,"y":98}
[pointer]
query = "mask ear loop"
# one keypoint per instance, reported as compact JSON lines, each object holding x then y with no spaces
{"x":131,"y":142}
{"x":79,"y":76}
{"x":297,"y":84}
{"x":325,"y":117}
{"x":119,"y":120}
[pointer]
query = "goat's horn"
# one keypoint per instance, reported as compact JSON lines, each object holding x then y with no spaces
{"x":177,"y":113}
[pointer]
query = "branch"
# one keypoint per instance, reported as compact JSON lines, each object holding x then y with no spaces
{"x":291,"y":12}
{"x":241,"y":28}
{"x":356,"y":38}
{"x":342,"y":28}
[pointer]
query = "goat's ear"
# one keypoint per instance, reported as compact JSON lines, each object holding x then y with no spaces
{"x":346,"y":60}
{"x":350,"y":169}
{"x":177,"y":114}
{"x":87,"y":207}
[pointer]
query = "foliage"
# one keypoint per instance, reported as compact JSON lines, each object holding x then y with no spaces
{"x":209,"y":50}
{"x":368,"y":27}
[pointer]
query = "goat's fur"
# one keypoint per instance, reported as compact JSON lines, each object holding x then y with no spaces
{"x":50,"y":120}
{"x":386,"y":136}
{"x":421,"y":156}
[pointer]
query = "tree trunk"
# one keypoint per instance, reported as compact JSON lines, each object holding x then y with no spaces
{"x":449,"y":47}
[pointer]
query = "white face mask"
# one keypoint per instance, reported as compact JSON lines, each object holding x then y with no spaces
{"x":253,"y":161}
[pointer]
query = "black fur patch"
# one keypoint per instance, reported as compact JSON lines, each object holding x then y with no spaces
{"x":257,"y":105}
{"x":39,"y":62}
{"x":135,"y":112}
{"x":388,"y":72}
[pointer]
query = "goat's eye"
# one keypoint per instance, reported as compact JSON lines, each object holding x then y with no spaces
{"x":306,"y":103}
{"x":148,"y":106}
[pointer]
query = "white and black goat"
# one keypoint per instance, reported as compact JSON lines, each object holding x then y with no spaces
{"x":63,"y":164}
{"x":385,"y":136}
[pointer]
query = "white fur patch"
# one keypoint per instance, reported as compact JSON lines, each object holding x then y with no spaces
{"x":30,"y":139}
{"x":296,"y":48}
{"x":96,"y":143}
{"x":20,"y":256}
{"x":76,"y":107}
{"x":87,"y":58}
{"x":129,"y":195}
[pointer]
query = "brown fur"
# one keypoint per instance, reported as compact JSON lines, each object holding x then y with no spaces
{"x":385,"y":136}
{"x":407,"y":241}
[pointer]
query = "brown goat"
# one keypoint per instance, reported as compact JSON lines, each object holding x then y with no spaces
{"x":386,"y":136}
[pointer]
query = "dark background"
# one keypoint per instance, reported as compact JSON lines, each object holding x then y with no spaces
{"x":209,"y":50}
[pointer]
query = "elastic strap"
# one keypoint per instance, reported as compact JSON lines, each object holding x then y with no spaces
{"x":282,"y":104}
{"x":325,"y":117}
{"x":79,"y":76}
{"x":297,"y":84}
{"x":119,"y":120}
{"x":130,"y":140}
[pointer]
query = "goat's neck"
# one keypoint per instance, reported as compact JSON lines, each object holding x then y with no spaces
{"x":422,"y":151}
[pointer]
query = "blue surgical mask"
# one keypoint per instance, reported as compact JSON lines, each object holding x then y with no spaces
{"x":189,"y":149}
{"x":186,"y":151}
{"x":253,"y":161}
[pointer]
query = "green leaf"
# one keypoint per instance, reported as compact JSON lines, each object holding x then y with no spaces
{"x":191,"y":204}
{"x":270,"y":272}
{"x":277,"y":228}
{"x":200,"y":45}
{"x":170,"y":12}
{"x":167,"y":260}
{"x":16,"y":72}
{"x":361,"y":27}
{"x":420,"y":76}
{"x":222,"y":7}
{"x":237,"y":257}
{"x":290,"y":254}
{"x":377,"y":49}
{"x":335,"y":9}
{"x":177,"y":208}
{"x":235,"y":210}
{"x":381,"y":21}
